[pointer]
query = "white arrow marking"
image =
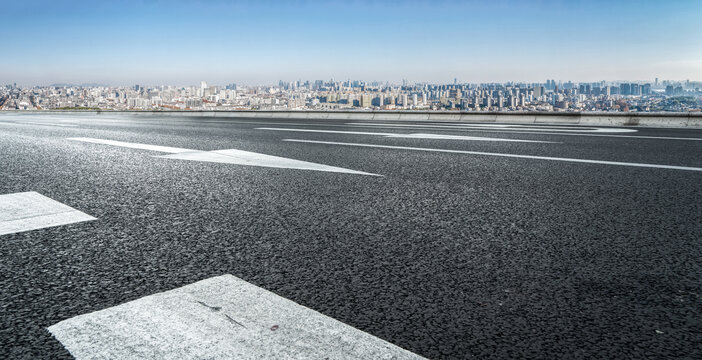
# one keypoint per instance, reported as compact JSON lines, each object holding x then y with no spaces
{"x":230,"y":156}
{"x":166,"y":149}
{"x":407,"y":136}
{"x":222,"y":317}
{"x":31,"y":211}
{"x":586,"y":161}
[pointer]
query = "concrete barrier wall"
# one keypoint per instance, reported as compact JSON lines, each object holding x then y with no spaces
{"x":666,"y":120}
{"x":444,"y":117}
{"x":386,"y":116}
{"x":477,"y":117}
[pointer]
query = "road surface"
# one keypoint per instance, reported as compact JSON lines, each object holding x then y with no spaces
{"x":446,"y":240}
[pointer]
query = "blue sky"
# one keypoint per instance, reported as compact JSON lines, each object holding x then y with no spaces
{"x":183,"y":42}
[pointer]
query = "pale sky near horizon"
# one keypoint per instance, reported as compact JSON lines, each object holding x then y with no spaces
{"x":181,"y":43}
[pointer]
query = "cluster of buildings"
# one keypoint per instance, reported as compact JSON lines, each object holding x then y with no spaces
{"x":358,"y":95}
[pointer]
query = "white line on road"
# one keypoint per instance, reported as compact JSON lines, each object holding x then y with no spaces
{"x":31,"y":211}
{"x":495,"y":129}
{"x":222,"y":317}
{"x":36,"y":123}
{"x":510,"y":127}
{"x":229,"y":156}
{"x":406,"y":136}
{"x":166,"y":149}
{"x":541,"y":132}
{"x":47,"y":124}
{"x":672,"y":167}
{"x":240,"y":157}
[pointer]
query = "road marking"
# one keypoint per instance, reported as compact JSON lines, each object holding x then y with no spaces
{"x":467,"y":129}
{"x":36,"y":123}
{"x":406,"y":136}
{"x":460,"y":129}
{"x":510,"y":127}
{"x":239,"y":157}
{"x":27,"y":211}
{"x":222,"y":317}
{"x":47,"y":124}
{"x":166,"y":149}
{"x":618,"y":163}
{"x":229,"y":156}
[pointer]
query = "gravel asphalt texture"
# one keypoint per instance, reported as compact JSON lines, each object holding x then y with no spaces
{"x":445,"y":255}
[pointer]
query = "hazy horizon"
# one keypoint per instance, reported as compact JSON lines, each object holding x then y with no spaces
{"x":179,"y":43}
{"x":275,"y":83}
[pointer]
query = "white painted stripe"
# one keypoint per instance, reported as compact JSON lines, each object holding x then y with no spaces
{"x":222,"y":317}
{"x":513,"y":131}
{"x":326,"y":131}
{"x":603,"y":162}
{"x":461,"y":129}
{"x":229,"y":156}
{"x":461,"y":137}
{"x":406,"y":136}
{"x":47,"y":124}
{"x":36,"y":123}
{"x":166,"y":149}
{"x":510,"y":127}
{"x":240,"y":157}
{"x":31,"y":211}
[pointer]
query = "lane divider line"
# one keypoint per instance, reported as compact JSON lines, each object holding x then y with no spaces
{"x":509,"y":127}
{"x":222,"y":317}
{"x":407,"y":136}
{"x":36,"y":123}
{"x":468,"y":128}
{"x":518,"y":156}
{"x":515,"y":131}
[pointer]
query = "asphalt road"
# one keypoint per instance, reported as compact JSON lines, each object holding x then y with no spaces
{"x":447,"y":255}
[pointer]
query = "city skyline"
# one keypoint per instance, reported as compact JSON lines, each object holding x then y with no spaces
{"x":154,"y":42}
{"x":551,"y":96}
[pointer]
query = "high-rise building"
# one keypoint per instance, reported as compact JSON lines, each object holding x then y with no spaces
{"x":365,"y":101}
{"x":538,"y":91}
{"x":646,"y":89}
{"x":625,"y":89}
{"x":635,"y":89}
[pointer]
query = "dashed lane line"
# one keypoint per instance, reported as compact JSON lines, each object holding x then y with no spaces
{"x":512,"y":127}
{"x":406,"y":136}
{"x":530,"y":131}
{"x":36,"y":123}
